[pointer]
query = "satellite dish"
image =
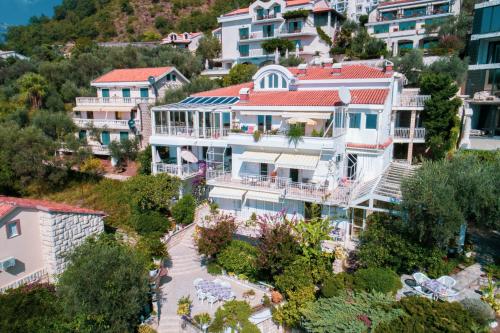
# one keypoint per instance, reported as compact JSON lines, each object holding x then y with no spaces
{"x":152,"y":80}
{"x":345,"y":95}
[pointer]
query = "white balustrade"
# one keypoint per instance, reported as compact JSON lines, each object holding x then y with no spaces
{"x":413,"y":100}
{"x":419,"y":133}
{"x":111,"y":123}
{"x":124,"y":101}
{"x":404,"y":133}
{"x":207,"y":133}
{"x":176,"y":170}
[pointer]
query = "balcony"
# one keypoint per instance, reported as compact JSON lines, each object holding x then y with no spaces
{"x":113,"y":101}
{"x":102,"y":123}
{"x":183,"y":171}
{"x":190,"y":132}
{"x":283,"y":186}
{"x":412,"y":101}
{"x":403,"y":133}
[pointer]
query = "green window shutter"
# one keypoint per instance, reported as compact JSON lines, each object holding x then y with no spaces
{"x":126,"y":93}
{"x":354,"y":120}
{"x":269,"y":122}
{"x":123,"y":136}
{"x":407,"y":25}
{"x":105,"y":93}
{"x":174,"y":77}
{"x":144,"y":92}
{"x":260,"y":12}
{"x":243,"y":33}
{"x":405,"y":45}
{"x":168,"y":77}
{"x":277,"y":9}
{"x":244,"y":50}
{"x":82,"y":135}
{"x":320,"y":19}
{"x":105,"y":138}
{"x":381,"y":29}
{"x":283,"y":83}
{"x":262,"y":83}
{"x":371,"y":121}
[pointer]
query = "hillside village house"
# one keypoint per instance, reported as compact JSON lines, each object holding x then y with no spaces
{"x":186,"y":40}
{"x":401,"y":24}
{"x":353,"y":9}
{"x":34,"y":235}
{"x":239,"y":137}
{"x":121,"y":107}
{"x":243,"y":30}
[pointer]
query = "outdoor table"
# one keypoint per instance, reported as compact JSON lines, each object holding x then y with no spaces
{"x":214,"y":289}
{"x":437,"y":288}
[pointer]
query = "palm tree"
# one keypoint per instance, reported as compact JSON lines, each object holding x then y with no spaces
{"x":33,"y":88}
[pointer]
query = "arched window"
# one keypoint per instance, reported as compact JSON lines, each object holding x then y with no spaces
{"x":262,"y":83}
{"x":283,"y":82}
{"x":273,"y":81}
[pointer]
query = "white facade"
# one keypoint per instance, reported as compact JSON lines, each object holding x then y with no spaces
{"x":185,"y":40}
{"x":121,"y":107}
{"x":401,"y":24}
{"x":353,"y":9}
{"x":243,"y":30}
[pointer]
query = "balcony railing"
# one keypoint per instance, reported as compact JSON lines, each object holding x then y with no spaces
{"x":185,"y":170}
{"x":124,"y":101}
{"x":207,"y":133}
{"x":110,"y":123}
{"x":284,"y":186}
{"x":413,"y":100}
{"x":404,"y":133}
{"x":265,"y":17}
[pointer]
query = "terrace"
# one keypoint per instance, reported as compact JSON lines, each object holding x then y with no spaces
{"x":112,"y":101}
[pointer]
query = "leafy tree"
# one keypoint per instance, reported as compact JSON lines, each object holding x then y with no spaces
{"x":55,"y":125}
{"x":212,"y":240}
{"x":411,"y":64}
{"x":440,"y":113}
{"x":163,"y":24}
{"x":145,"y":158}
{"x":364,"y":46}
{"x":453,"y":66}
{"x":337,"y":284}
{"x":290,"y":314}
{"x":310,"y":234}
{"x":240,"y":73}
{"x":33,"y":88}
{"x":150,"y":222}
{"x":295,"y":276}
{"x":377,"y":279}
{"x":156,"y":192}
{"x":124,"y":151}
{"x":239,"y":257}
{"x":359,"y":312}
{"x":233,"y":315}
{"x":291,"y":61}
{"x":183,"y":210}
{"x":209,"y":48}
{"x":278,"y":248}
{"x":114,"y":290}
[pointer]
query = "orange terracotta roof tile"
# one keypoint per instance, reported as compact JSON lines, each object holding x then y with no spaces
{"x":384,"y":145}
{"x":9,"y":203}
{"x":233,"y":90}
{"x":314,"y":97}
{"x":238,"y":11}
{"x":297,"y":2}
{"x":348,"y":72}
{"x":132,"y":74}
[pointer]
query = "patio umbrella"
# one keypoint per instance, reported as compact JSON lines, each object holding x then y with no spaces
{"x":276,"y":56}
{"x":306,"y":121}
{"x":297,"y":49}
{"x":286,"y":54}
{"x":188,"y":156}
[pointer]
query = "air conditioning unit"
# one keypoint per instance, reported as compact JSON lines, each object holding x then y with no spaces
{"x":7,"y":263}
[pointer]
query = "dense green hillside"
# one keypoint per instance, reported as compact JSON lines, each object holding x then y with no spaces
{"x":118,"y":20}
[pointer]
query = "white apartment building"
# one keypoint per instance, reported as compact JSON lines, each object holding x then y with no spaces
{"x":121,"y":108}
{"x":243,"y":30}
{"x":239,"y":137}
{"x":186,"y":40}
{"x":401,"y":24}
{"x":353,"y":9}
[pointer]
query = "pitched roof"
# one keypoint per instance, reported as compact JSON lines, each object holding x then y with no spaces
{"x":297,"y":2}
{"x":313,"y":97}
{"x":357,"y":71}
{"x":238,"y":11}
{"x":7,"y":204}
{"x":132,"y":74}
{"x":233,"y":90}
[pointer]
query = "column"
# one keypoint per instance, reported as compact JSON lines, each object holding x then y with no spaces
{"x":153,"y":159}
{"x":221,"y":125}
{"x":187,"y":122}
{"x":204,"y":123}
{"x":409,"y":157}
{"x":169,"y":130}
{"x":467,"y":112}
{"x":179,"y":161}
{"x":196,"y":123}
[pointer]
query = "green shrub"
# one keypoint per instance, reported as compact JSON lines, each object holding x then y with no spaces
{"x":152,"y":246}
{"x":296,"y":276}
{"x":281,"y":44}
{"x":239,"y":257}
{"x":299,"y":13}
{"x":377,"y":279}
{"x":150,"y":222}
{"x":213,"y":268}
{"x":335,"y":285}
{"x":183,"y":210}
{"x":479,"y":310}
{"x":439,"y":266}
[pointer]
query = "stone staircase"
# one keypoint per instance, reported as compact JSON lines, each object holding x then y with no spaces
{"x":390,"y":182}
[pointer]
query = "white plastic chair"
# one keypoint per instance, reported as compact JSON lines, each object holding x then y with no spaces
{"x":201,"y":295}
{"x":225,"y":284}
{"x":197,"y":281}
{"x":447,"y":281}
{"x":420,"y":278}
{"x":211,"y":300}
{"x":217,"y":281}
{"x":426,"y":293}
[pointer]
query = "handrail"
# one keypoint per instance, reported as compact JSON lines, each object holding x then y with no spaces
{"x":207,"y":133}
{"x":114,"y":100}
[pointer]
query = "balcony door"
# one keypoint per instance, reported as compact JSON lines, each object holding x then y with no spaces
{"x":294,"y":175}
{"x":352,"y":161}
{"x":264,"y":168}
{"x":105,"y":93}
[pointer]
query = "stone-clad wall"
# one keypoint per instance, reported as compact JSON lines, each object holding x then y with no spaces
{"x":62,"y":232}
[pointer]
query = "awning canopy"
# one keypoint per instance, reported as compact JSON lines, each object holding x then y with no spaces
{"x":263,"y":196}
{"x":259,"y":157}
{"x":227,"y":193}
{"x":310,"y":115}
{"x":306,"y":121}
{"x":104,"y":108}
{"x":188,"y":156}
{"x":297,"y":161}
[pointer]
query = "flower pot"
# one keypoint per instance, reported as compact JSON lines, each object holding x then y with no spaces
{"x":276,"y":297}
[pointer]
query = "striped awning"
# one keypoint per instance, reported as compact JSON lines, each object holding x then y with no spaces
{"x":297,"y":161}
{"x":263,"y":196}
{"x":259,"y":157}
{"x":227,"y":193}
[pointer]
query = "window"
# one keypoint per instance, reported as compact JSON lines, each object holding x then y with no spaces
{"x":298,"y":44}
{"x":354,"y":120}
{"x":387,"y":16}
{"x":174,"y":77}
{"x":284,"y":83}
{"x":273,"y":81}
{"x":371,"y":121}
{"x":126,"y":93}
{"x":268,"y":30}
{"x":144,"y":92}
{"x":105,"y":93}
{"x":118,"y":115}
{"x":294,"y":26}
{"x":413,"y":12}
{"x":82,"y":135}
{"x":269,"y":123}
{"x":244,"y":50}
{"x":263,"y":169}
{"x":320,"y":19}
{"x":277,"y":9}
{"x":262,"y":83}
{"x":407,"y":25}
{"x":168,"y":77}
{"x":260,"y":13}
{"x":123,"y":136}
{"x":90,"y":115}
{"x":381,"y":29}
{"x":264,"y":123}
{"x":244,"y":33}
{"x":13,"y":228}
{"x":493,"y":56}
{"x":105,"y":138}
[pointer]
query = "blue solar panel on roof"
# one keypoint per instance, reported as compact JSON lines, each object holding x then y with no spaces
{"x":219,"y":100}
{"x":232,"y":100}
{"x":195,"y":100}
{"x":211,"y":100}
{"x":187,"y":100}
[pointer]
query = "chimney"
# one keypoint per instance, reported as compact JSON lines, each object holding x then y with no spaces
{"x":244,"y":94}
{"x":302,"y":68}
{"x":388,"y":66}
{"x":337,"y":68}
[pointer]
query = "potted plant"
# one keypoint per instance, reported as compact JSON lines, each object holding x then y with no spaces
{"x":250,"y":294}
{"x":276,"y":297}
{"x":257,"y":135}
{"x":153,"y":269}
{"x":294,"y":134}
{"x":184,"y":306}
